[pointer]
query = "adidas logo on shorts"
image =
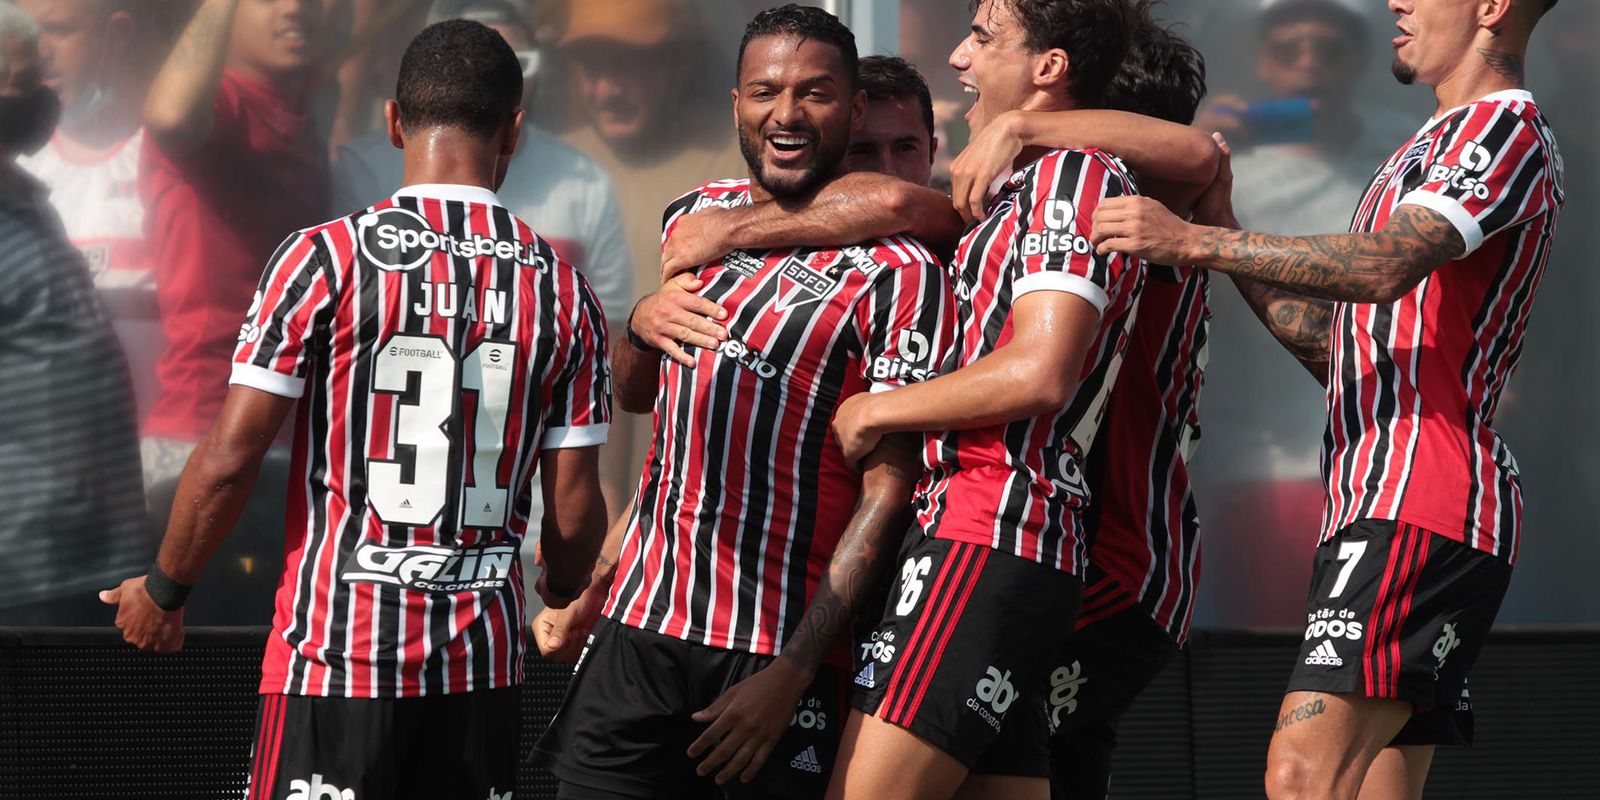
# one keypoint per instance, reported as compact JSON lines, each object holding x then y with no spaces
{"x":865,"y":679}
{"x":807,"y":761}
{"x":1325,"y":655}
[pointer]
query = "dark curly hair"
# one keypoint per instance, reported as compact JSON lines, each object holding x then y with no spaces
{"x":1163,"y":76}
{"x":459,"y":74}
{"x":803,"y":22}
{"x":1093,"y":33}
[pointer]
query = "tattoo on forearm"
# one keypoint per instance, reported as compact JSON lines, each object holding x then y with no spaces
{"x":859,"y":562}
{"x":1348,"y":267}
{"x":1509,"y":65}
{"x":1303,"y":325}
{"x":1301,"y":713}
{"x":198,"y":44}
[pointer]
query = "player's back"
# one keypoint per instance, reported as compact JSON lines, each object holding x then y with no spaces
{"x":437,"y":345}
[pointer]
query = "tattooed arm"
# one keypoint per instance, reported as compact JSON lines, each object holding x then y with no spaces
{"x":178,"y":113}
{"x":1378,"y":267}
{"x":747,"y":720}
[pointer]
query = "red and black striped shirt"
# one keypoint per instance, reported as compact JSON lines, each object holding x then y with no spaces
{"x":1144,"y":528}
{"x":1414,"y":384}
{"x":1019,"y":487}
{"x":745,"y":492}
{"x":437,"y":345}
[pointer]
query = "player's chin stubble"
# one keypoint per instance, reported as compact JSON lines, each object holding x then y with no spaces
{"x":1403,"y":72}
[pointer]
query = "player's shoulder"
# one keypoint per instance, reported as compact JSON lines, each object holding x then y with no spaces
{"x":1065,"y":169}
{"x":725,"y":193}
{"x":890,"y":253}
{"x":1496,"y":116}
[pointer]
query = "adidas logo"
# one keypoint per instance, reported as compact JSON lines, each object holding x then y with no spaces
{"x":807,"y":761}
{"x":865,"y":679}
{"x":1325,"y":655}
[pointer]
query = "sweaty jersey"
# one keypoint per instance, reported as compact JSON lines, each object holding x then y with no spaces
{"x":745,"y":492}
{"x":1018,"y":487}
{"x":1143,"y":526}
{"x":437,"y":346}
{"x":1414,"y":384}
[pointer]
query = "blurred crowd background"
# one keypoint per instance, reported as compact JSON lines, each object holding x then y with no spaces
{"x":180,"y":161}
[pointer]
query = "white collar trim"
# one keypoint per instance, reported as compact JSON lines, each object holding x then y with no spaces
{"x":451,"y":191}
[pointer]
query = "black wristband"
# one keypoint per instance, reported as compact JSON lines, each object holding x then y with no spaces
{"x":633,"y":338}
{"x":168,"y":593}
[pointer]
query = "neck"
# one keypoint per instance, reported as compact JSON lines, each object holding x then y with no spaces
{"x":1493,"y":65}
{"x":444,"y":155}
{"x":1041,"y":101}
{"x":92,"y":137}
{"x":282,"y":81}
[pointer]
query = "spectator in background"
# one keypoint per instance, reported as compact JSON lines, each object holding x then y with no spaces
{"x":93,"y":61}
{"x":653,"y":117}
{"x":71,"y":513}
{"x":1302,"y":158}
{"x":230,"y":165}
{"x":561,"y":193}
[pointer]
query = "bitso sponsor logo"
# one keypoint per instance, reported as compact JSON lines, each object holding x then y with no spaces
{"x":1060,"y":215}
{"x":1059,"y":236}
{"x":250,"y":331}
{"x":912,"y":349}
{"x":1325,"y":655}
{"x":1458,"y":178}
{"x":316,"y":789}
{"x":1064,"y":685}
{"x":440,"y":570}
{"x":1333,"y":624}
{"x":396,"y":239}
{"x":807,"y":761}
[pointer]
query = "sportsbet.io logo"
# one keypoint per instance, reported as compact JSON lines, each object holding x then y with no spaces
{"x":395,"y":240}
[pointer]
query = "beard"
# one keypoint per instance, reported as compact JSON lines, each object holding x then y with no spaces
{"x":1403,"y":72}
{"x":823,"y":164}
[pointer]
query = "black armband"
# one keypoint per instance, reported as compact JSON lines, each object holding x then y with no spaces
{"x":166,"y":592}
{"x":633,"y":338}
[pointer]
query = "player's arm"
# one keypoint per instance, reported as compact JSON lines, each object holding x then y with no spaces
{"x":854,"y":207}
{"x":1175,"y":162}
{"x":178,"y":112}
{"x":1303,"y":325}
{"x":561,"y":633}
{"x":1379,"y":267}
{"x":746,"y":721}
{"x":212,"y":492}
{"x":1034,"y":373}
{"x":574,"y":525}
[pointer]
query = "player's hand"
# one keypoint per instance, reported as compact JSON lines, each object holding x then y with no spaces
{"x":747,"y":721}
{"x":551,"y":597}
{"x":1215,"y":206}
{"x":696,"y":240}
{"x":561,"y":633}
{"x":986,"y":158}
{"x":675,"y":316}
{"x":853,"y":429}
{"x":1143,"y":228}
{"x":144,"y":624}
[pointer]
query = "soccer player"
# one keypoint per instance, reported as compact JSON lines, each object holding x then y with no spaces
{"x":437,"y":351}
{"x":1432,"y":290}
{"x":753,"y":541}
{"x":897,"y":135}
{"x":1142,"y":525}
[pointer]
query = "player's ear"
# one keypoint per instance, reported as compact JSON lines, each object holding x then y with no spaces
{"x":933,"y":149}
{"x":512,"y":134}
{"x":391,"y":123}
{"x":734,"y":94}
{"x":858,"y":111}
{"x":1050,"y":68}
{"x":1493,"y":15}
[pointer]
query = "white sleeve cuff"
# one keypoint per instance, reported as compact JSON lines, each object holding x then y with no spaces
{"x":1061,"y":282}
{"x":1471,"y":232}
{"x":267,"y":380}
{"x":575,"y":436}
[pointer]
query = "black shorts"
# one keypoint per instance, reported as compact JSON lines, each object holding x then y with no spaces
{"x":623,"y":729}
{"x":1105,"y":666}
{"x":442,"y":747}
{"x":1398,"y":612}
{"x":963,"y":651}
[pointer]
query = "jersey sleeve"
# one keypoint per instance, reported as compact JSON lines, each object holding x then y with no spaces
{"x":907,"y":323}
{"x":1494,"y":174}
{"x":289,"y":311}
{"x":1052,"y":239}
{"x":578,"y":413}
